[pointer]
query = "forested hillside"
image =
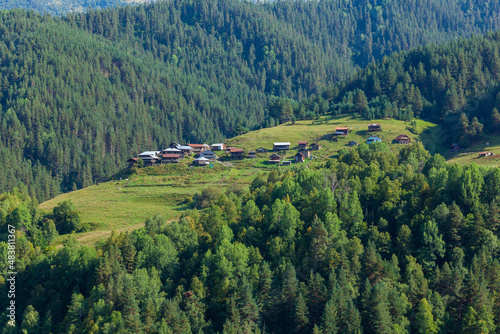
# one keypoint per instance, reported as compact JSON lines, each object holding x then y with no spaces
{"x":61,"y":7}
{"x":82,"y":93}
{"x":374,"y":242}
{"x":455,"y":84}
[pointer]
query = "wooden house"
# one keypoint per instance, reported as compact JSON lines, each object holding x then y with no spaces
{"x":305,"y":153}
{"x":186,"y":150}
{"x":374,"y":127}
{"x":302,"y":145}
{"x":299,"y":157}
{"x":252,"y":155}
{"x":286,"y":163}
{"x":173,"y":151}
{"x":237,"y":153}
{"x":284,"y":146}
{"x":315,"y":147}
{"x":261,"y":150}
{"x":218,"y":147}
{"x":402,"y":139}
{"x":198,"y":148}
{"x":170,"y":158}
{"x":209,"y":155}
{"x":373,"y":139}
{"x":274,"y":158}
{"x":132,"y":162}
{"x":174,"y":145}
{"x":201,"y":162}
{"x":342,"y":131}
{"x":485,"y":154}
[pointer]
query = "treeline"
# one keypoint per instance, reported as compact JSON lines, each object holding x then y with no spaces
{"x":81,"y":94}
{"x":455,"y":84}
{"x":372,"y":243}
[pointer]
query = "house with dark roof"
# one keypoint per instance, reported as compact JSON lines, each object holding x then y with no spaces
{"x":402,"y":139}
{"x":132,"y":162}
{"x":305,"y":153}
{"x":299,"y":157}
{"x":315,"y":147}
{"x":275,"y":158}
{"x":209,"y":155}
{"x":252,"y":154}
{"x":374,"y":127}
{"x":352,"y":143}
{"x":261,"y":150}
{"x":302,"y":145}
{"x":237,"y":153}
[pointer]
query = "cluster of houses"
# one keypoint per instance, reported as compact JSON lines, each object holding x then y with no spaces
{"x":206,"y":153}
{"x":344,"y":131}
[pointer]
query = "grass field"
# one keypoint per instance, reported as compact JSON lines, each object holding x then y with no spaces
{"x":471,"y":154}
{"x":168,"y":190}
{"x":123,"y":205}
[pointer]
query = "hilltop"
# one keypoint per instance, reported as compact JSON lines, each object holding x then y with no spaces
{"x":133,"y":195}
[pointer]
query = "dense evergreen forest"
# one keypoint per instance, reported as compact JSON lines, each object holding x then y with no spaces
{"x":373,"y":242}
{"x":80,"y":94}
{"x":455,"y":84}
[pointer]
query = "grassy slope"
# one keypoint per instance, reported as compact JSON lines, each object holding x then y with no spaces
{"x":124,"y":205}
{"x":470,"y":154}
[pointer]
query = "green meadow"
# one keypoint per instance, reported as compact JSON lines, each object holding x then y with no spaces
{"x":123,"y":204}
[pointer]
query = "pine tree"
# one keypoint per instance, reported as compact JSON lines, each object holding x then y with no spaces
{"x":301,"y":317}
{"x":424,"y":320}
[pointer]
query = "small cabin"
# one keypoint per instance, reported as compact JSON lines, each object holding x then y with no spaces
{"x":218,"y":147}
{"x":201,"y":162}
{"x":170,"y":158}
{"x":174,"y":145}
{"x":185,"y":149}
{"x":286,"y":163}
{"x":485,"y":154}
{"x":299,"y":157}
{"x":305,"y":153}
{"x":374,"y":127}
{"x":402,"y":139}
{"x":209,"y":155}
{"x":252,"y":155}
{"x":284,"y":146}
{"x":198,"y":148}
{"x":132,"y":162}
{"x":275,"y":159}
{"x":237,"y":153}
{"x":261,"y":150}
{"x":373,"y":139}
{"x":173,"y":151}
{"x":352,"y":143}
{"x":302,"y":145}
{"x":315,"y":147}
{"x":342,"y":131}
{"x":150,"y":160}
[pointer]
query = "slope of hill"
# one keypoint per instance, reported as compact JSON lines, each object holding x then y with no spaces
{"x":82,"y":93}
{"x":169,"y":189}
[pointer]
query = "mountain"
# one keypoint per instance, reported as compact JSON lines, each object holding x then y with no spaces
{"x":83,"y":92}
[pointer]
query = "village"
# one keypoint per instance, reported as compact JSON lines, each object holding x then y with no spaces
{"x":207,"y":154}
